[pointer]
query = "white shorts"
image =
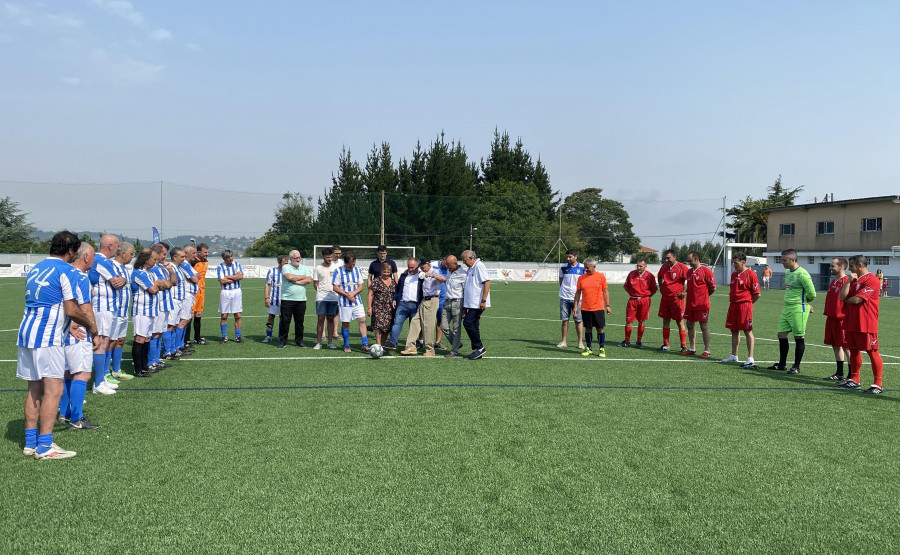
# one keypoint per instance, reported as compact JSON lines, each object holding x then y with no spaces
{"x":174,"y":316}
{"x":159,"y":322}
{"x":143,"y":326}
{"x":79,"y":357}
{"x":351,"y":313}
{"x":44,"y":362}
{"x":274,"y":309}
{"x":120,"y":328}
{"x":231,"y":301}
{"x":187,"y":307}
{"x":105,"y":321}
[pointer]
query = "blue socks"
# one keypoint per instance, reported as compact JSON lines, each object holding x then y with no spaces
{"x":64,"y":400}
{"x":31,"y":438}
{"x":224,"y":329}
{"x":116,"y":357}
{"x":588,"y":337}
{"x":179,"y":338}
{"x":77,"y":391}
{"x":237,"y":333}
{"x":365,"y":341}
{"x":346,"y":335}
{"x":153,"y":353}
{"x":43,"y":442}
{"x":99,"y":368}
{"x":601,"y":337}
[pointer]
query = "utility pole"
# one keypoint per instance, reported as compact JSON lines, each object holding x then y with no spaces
{"x":472,"y":230}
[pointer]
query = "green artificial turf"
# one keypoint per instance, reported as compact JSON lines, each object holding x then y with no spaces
{"x":246,"y":448}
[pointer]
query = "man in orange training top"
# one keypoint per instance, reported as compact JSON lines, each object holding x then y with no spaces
{"x":591,"y":298}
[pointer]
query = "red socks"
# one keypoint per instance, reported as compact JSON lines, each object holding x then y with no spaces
{"x":666,"y":332}
{"x":628,"y":329}
{"x":683,"y":335}
{"x":877,"y":366}
{"x":855,"y":365}
{"x":640,"y":332}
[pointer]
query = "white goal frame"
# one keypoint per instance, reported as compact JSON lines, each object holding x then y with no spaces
{"x":317,"y":250}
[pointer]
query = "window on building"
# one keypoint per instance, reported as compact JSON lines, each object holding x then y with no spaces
{"x":810,"y":259}
{"x":824,"y":228}
{"x":777,"y":260}
{"x":788,"y":229}
{"x":880,"y":260}
{"x":871,"y":224}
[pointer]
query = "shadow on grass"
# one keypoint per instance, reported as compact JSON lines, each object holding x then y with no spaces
{"x":15,"y":432}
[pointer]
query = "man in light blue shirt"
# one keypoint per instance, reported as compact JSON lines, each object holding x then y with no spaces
{"x":295,"y":276}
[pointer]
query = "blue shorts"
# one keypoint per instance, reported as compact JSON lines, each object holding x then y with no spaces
{"x":326,"y":308}
{"x":565,"y":311}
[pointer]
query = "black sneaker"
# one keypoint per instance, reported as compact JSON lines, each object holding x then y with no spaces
{"x":793,"y":370}
{"x":223,"y":341}
{"x":874,"y":390}
{"x":777,"y":366}
{"x":281,"y":345}
{"x":476,"y":354}
{"x":849,"y":384}
{"x":201,"y":342}
{"x":419,"y":343}
{"x":684,"y":351}
{"x":188,"y":343}
{"x":624,"y":344}
{"x":300,"y":344}
{"x":663,"y":348}
{"x":142,"y":374}
{"x":238,"y":339}
{"x":834,"y":378}
{"x":83,"y":424}
{"x":638,"y":345}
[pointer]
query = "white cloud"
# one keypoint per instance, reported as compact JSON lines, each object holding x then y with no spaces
{"x":160,"y":35}
{"x":71,"y":81}
{"x":17,"y":14}
{"x":192,"y":46}
{"x":66,"y":20}
{"x":123,"y":9}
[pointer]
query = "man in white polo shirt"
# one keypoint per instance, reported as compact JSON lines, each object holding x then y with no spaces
{"x":476,"y":299}
{"x":426,"y":317}
{"x":326,"y":298}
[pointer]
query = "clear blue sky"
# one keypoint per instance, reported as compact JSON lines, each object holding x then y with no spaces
{"x":657,"y":100}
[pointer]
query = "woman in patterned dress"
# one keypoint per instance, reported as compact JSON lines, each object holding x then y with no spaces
{"x":381,"y":303}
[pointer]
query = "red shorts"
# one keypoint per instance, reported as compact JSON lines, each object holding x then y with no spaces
{"x":697,"y":315}
{"x":672,"y":308}
{"x":834,"y":332}
{"x":860,"y":341}
{"x":637,"y":309}
{"x":740,"y":317}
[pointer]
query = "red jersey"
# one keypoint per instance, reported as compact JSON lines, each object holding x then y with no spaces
{"x":672,"y":278}
{"x":640,"y":285}
{"x":863,"y":317}
{"x":701,"y":282}
{"x":834,"y":306}
{"x":744,"y":286}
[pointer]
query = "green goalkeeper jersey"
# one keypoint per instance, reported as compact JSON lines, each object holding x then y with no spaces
{"x":798,"y":288}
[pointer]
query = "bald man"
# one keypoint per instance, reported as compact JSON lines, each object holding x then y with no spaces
{"x":451,"y":318}
{"x":105,"y":284}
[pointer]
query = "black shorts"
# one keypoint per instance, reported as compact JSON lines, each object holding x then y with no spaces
{"x":594,"y":318}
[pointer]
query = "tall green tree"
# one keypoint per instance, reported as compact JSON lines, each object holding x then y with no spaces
{"x":603,"y":223}
{"x":15,"y":229}
{"x":514,"y":163}
{"x":511,"y":226}
{"x":293,"y":228}
{"x":749,"y":218}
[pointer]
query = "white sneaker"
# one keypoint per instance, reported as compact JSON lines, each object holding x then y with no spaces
{"x":103,"y":389}
{"x":332,"y":346}
{"x":317,"y":346}
{"x":581,"y":346}
{"x":562,"y":345}
{"x":112,"y":385}
{"x":730,"y":358}
{"x":55,"y":452}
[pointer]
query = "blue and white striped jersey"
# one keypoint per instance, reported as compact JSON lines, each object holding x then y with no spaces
{"x":82,"y":286}
{"x":179,"y":290}
{"x":144,"y":302}
{"x":48,"y":286}
{"x":123,"y":302}
{"x":273,"y":280}
{"x":164,"y":297}
{"x":191,"y":288}
{"x":223,"y":270}
{"x":348,"y":280}
{"x":104,"y":294}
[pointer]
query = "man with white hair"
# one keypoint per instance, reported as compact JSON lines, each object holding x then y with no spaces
{"x":273,"y":295}
{"x":295,"y":277}
{"x":476,"y":299}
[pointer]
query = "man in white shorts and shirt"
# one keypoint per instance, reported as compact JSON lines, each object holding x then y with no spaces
{"x":105,"y":285}
{"x":49,"y":306}
{"x":326,"y":298}
{"x":273,"y":295}
{"x":348,"y":284}
{"x":231,"y":300}
{"x":124,"y":256}
{"x":186,"y":312}
{"x":165,"y":280}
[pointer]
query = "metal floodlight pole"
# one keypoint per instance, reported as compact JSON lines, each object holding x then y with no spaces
{"x":472,"y":230}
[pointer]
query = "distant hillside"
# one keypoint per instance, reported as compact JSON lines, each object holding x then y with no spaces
{"x":217,"y":243}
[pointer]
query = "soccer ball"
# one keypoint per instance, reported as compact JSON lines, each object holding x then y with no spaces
{"x":375,"y":351}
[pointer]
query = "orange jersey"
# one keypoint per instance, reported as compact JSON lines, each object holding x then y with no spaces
{"x":592,"y":287}
{"x":200,"y":268}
